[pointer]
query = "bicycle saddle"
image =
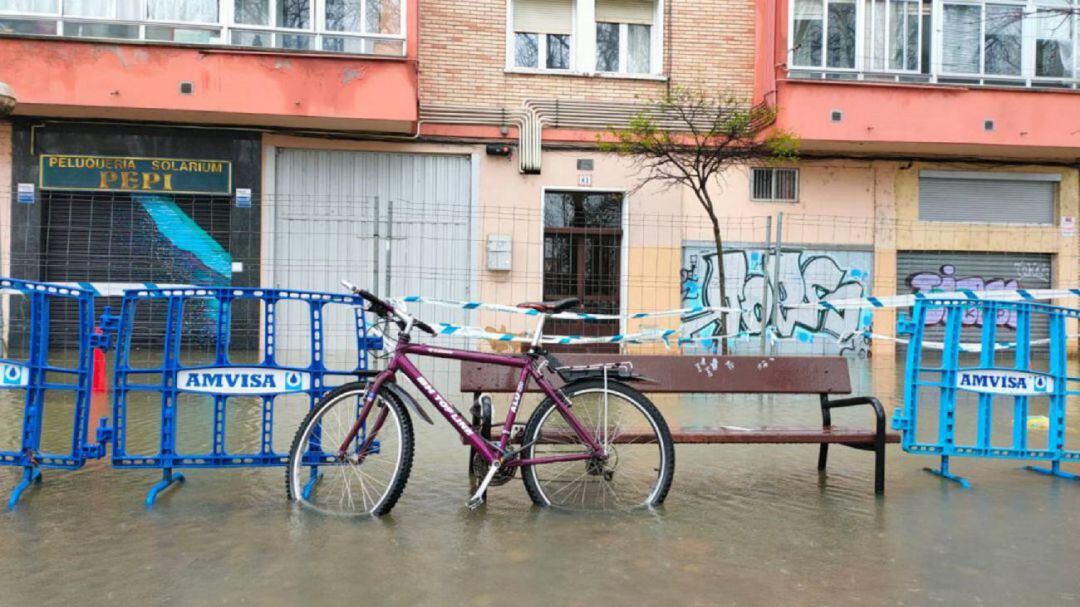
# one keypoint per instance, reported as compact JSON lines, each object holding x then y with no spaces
{"x":551,"y":307}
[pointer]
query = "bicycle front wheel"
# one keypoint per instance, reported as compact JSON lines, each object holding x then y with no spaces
{"x":639,"y":460}
{"x":369,"y":477}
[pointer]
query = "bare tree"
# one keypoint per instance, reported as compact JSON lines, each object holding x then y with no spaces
{"x":688,"y":138}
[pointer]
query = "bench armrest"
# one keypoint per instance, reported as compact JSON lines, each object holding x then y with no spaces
{"x":879,"y":411}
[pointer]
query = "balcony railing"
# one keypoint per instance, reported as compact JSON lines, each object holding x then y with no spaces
{"x":360,"y":27}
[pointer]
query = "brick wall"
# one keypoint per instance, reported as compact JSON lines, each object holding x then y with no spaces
{"x":709,"y":44}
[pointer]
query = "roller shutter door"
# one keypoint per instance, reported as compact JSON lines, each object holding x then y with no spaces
{"x":396,"y":224}
{"x":987,"y":197}
{"x":947,"y":271}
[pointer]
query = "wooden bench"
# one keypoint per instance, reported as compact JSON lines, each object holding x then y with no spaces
{"x":823,"y":376}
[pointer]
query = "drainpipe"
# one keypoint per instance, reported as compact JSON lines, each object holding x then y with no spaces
{"x":7,"y":100}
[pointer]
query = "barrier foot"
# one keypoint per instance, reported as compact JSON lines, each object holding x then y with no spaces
{"x":944,"y":473}
{"x":310,"y":486}
{"x":1054,"y":470}
{"x":31,"y":476}
{"x":168,"y":479}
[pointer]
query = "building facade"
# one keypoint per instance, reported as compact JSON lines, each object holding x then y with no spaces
{"x":450,"y":150}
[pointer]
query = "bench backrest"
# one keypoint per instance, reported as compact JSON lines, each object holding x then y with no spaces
{"x":696,"y":374}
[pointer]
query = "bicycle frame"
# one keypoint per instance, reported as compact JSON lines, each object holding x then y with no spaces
{"x":490,"y":452}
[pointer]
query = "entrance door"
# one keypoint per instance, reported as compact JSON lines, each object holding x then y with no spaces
{"x":583,"y":259}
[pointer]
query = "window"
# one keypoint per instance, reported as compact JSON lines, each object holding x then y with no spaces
{"x":992,"y":41}
{"x":348,"y":26}
{"x":774,"y":184}
{"x":1055,"y":40}
{"x":544,"y":35}
{"x":624,"y":36}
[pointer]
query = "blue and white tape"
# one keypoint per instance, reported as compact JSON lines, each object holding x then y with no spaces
{"x":907,"y":301}
{"x":664,"y":336}
{"x":480,"y":305}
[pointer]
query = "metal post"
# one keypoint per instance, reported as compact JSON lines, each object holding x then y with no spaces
{"x":375,"y":246}
{"x":775,"y":315}
{"x":765,"y":284}
{"x":389,"y":245}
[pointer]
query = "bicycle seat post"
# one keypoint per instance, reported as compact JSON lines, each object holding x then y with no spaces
{"x":535,"y":345}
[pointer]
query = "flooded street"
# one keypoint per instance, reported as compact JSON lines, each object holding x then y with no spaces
{"x":742,"y":525}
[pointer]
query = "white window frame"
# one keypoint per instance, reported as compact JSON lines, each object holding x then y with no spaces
{"x":583,"y":45}
{"x":541,"y":54}
{"x":226,"y":25}
{"x":773,"y":195}
{"x":937,"y":72}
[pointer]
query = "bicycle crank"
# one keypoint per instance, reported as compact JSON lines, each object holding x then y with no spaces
{"x":479,"y":470}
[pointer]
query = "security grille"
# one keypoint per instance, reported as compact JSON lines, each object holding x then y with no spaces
{"x":774,"y":184}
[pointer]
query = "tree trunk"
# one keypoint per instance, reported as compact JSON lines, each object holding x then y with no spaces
{"x":721,"y":276}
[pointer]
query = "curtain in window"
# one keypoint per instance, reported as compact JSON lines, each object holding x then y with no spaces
{"x":904,"y":35}
{"x":640,"y":12}
{"x":29,"y":6}
{"x":874,"y":36}
{"x":639,"y":48}
{"x":343,"y":15}
{"x":807,"y":37}
{"x":960,"y":39}
{"x":89,"y":8}
{"x":1001,"y":44}
{"x":252,"y":12}
{"x":200,"y":11}
{"x":544,"y":16}
{"x":841,"y":34}
{"x":1054,"y":43}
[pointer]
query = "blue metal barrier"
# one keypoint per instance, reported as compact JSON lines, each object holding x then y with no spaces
{"x":222,"y":379}
{"x":1007,"y":365}
{"x":47,"y":383}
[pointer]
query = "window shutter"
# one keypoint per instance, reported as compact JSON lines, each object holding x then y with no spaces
{"x":981,"y":198}
{"x":625,"y":11}
{"x":544,"y":16}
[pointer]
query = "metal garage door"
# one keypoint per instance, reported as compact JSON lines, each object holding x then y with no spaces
{"x":124,"y":238}
{"x":397,"y":224}
{"x":987,"y":197}
{"x":949,"y":271}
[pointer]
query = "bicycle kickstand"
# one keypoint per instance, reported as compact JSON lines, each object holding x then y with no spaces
{"x":478,"y":498}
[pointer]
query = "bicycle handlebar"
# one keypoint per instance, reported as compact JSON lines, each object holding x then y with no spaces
{"x":383,"y":309}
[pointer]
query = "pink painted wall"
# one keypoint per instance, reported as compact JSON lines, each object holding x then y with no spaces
{"x":62,"y":77}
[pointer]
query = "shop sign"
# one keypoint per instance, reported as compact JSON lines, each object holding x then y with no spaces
{"x":127,"y":174}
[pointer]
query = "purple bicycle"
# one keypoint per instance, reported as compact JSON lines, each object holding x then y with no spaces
{"x":594,"y":444}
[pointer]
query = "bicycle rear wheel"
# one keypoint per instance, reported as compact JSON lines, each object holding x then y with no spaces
{"x":371,"y":475}
{"x":640,"y":461}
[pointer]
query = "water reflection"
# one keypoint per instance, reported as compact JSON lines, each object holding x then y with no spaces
{"x":742,"y":525}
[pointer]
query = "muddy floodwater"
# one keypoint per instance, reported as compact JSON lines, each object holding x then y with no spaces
{"x":743,"y":525}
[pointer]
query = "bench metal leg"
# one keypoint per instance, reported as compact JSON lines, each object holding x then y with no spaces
{"x":879,"y":467}
{"x":879,"y":435}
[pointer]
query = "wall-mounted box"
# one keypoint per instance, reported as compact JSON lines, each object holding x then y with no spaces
{"x":500,"y":249}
